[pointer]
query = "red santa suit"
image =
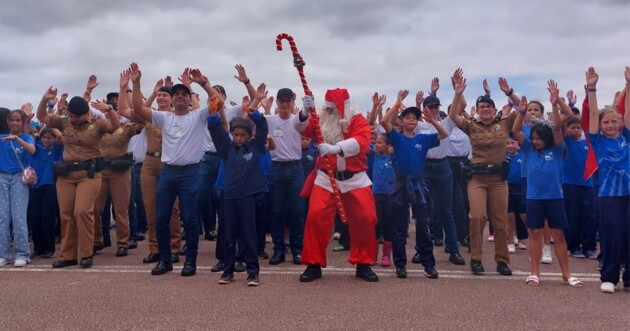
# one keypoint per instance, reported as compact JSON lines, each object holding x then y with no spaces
{"x":354,"y":186}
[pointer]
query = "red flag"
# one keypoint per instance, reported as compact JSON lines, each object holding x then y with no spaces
{"x":591,"y":161}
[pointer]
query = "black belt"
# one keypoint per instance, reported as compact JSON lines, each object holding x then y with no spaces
{"x":342,"y":175}
{"x":436,"y":160}
{"x":180,"y":167}
{"x":155,"y":154}
{"x":85,"y":165}
{"x":107,"y":162}
{"x":211,"y":153}
{"x":286,"y":162}
{"x":458,"y":158}
{"x":490,"y":169}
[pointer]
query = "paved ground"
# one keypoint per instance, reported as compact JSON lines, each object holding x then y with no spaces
{"x":119,"y":293}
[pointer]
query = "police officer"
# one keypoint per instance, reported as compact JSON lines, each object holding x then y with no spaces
{"x":79,"y":176}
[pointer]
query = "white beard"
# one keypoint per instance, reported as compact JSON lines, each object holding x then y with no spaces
{"x":330,"y":126}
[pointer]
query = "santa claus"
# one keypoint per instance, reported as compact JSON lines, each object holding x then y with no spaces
{"x":346,"y":144}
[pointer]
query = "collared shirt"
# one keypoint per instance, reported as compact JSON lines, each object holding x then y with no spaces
{"x":182,"y":135}
{"x":613,"y":157}
{"x":488,"y":142}
{"x":81,"y":142}
{"x":115,"y":144}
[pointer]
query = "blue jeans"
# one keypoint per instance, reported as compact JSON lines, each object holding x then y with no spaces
{"x":177,"y":182}
{"x":285,"y":183}
{"x":13,"y":207}
{"x":207,"y":200}
{"x":137,"y":215}
{"x":438,"y":176}
{"x":460,"y":196}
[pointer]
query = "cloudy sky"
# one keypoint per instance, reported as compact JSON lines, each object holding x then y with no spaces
{"x":365,"y":46}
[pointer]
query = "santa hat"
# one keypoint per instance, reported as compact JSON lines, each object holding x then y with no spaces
{"x":337,"y":98}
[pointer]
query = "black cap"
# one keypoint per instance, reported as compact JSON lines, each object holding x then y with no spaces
{"x":414,"y":110}
{"x":431,"y":101}
{"x":78,"y":106}
{"x":284,"y":93}
{"x":484,"y":99}
{"x":111,"y":95}
{"x":180,"y":87}
{"x":221,"y":88}
{"x":165,"y":89}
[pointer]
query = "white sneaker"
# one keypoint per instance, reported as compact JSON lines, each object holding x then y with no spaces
{"x":491,"y":238}
{"x":512,"y":248}
{"x":515,"y":240}
{"x":336,"y":236}
{"x":546,"y":255}
{"x":607,"y":287}
{"x":3,"y":262}
{"x":20,"y":262}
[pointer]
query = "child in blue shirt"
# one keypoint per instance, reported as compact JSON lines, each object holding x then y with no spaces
{"x":544,"y":153}
{"x":515,"y":197}
{"x":243,"y":183}
{"x":382,"y":177}
{"x":612,"y":149}
{"x":579,"y":195}
{"x":410,"y":151}
{"x":42,"y":207}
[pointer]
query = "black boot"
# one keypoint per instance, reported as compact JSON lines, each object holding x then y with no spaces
{"x":312,"y":272}
{"x":365,"y":272}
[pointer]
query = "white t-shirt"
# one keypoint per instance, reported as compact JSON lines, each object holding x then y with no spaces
{"x":460,"y":144}
{"x":138,"y":146}
{"x":230,"y":113}
{"x":438,"y":152}
{"x":286,"y":136}
{"x":182,"y":136}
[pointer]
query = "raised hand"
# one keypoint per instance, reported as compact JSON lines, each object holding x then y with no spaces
{"x":27,"y":108}
{"x":459,"y":85}
{"x":92,"y":82}
{"x":419,"y":97}
{"x":375,"y":99}
{"x":426,"y":115}
{"x":506,"y":109}
{"x":459,"y":73}
{"x":504,"y":86}
{"x":51,"y":93}
{"x":242,"y":75}
{"x":572,"y":98}
{"x":553,"y":91}
{"x":135,"y":72}
{"x":184,"y":78}
{"x":267,"y":103}
{"x":124,"y":78}
{"x":197,"y":77}
{"x":591,"y":77}
{"x":523,"y":104}
{"x":381,"y":100}
{"x":168,"y":81}
{"x":486,"y":87}
{"x":402,"y":94}
{"x":100,"y":105}
{"x":435,"y":85}
{"x":245,"y":103}
{"x":64,"y":96}
{"x":473,"y":111}
{"x":158,"y":85}
{"x":215,"y":103}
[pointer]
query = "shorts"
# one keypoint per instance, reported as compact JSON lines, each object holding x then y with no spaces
{"x":515,"y":199}
{"x":552,"y":210}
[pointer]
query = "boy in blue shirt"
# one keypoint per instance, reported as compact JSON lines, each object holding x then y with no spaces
{"x":410,"y":151}
{"x":244,"y":183}
{"x":515,"y":197}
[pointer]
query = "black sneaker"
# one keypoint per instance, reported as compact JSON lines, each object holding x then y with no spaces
{"x":456,"y":259}
{"x":86,"y":263}
{"x":189,"y":269}
{"x":49,"y":255}
{"x":140,"y":236}
{"x":503,"y":269}
{"x":401,"y":271}
{"x":476,"y":267}
{"x":416,"y":259}
{"x":297,"y":259}
{"x":262,"y":255}
{"x":174,"y":258}
{"x":122,"y":252}
{"x":240,"y":267}
{"x":210,"y":236}
{"x":218,"y":267}
{"x":277,"y":258}
{"x":430,"y":272}
{"x":464,"y":242}
{"x":252,"y":280}
{"x":365,"y":272}
{"x":151,"y":258}
{"x":311,"y":273}
{"x":226,"y":278}
{"x":438,"y":242}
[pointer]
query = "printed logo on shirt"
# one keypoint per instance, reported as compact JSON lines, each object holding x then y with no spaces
{"x":418,"y":147}
{"x":548,"y":156}
{"x":623,"y":142}
{"x":175,"y":131}
{"x":309,"y":157}
{"x":248,"y":156}
{"x":497,"y":127}
{"x":519,"y":161}
{"x":387,"y":164}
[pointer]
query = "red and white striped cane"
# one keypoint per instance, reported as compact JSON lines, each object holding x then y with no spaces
{"x":299,"y":64}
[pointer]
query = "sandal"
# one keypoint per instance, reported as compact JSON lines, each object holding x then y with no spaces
{"x":574,"y":282}
{"x":532,"y":280}
{"x":522,"y":245}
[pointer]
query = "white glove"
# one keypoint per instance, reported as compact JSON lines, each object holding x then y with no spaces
{"x":325,"y":149}
{"x":308,"y":102}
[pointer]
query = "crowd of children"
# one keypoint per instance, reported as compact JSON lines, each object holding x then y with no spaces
{"x":529,"y":176}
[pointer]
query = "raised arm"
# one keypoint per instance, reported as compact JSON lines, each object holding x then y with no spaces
{"x":92,"y":83}
{"x":197,"y":77}
{"x":435,"y":86}
{"x":42,"y":112}
{"x":426,"y":114}
{"x":509,"y":92}
{"x":591,"y":89}
{"x":393,"y":111}
{"x":242,"y":77}
{"x":123,"y":106}
{"x":459,"y":86}
{"x":149,"y":101}
{"x":377,"y":107}
{"x":136,"y":95}
{"x":554,"y":96}
{"x":517,"y":128}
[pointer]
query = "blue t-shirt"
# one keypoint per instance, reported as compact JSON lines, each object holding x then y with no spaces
{"x":410,"y":153}
{"x":8,"y":161}
{"x":516,"y":166}
{"x":544,"y":171}
{"x":309,"y":156}
{"x":382,"y":173}
{"x":42,"y":162}
{"x":575,"y":162}
{"x":613,"y":163}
